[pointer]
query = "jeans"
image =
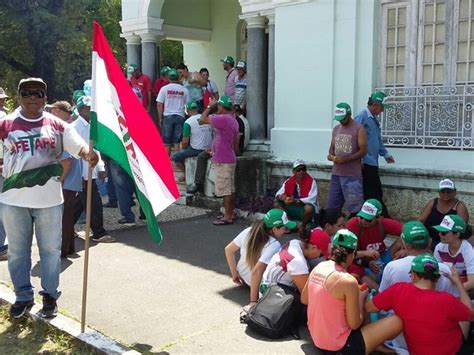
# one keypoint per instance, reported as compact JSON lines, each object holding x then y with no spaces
{"x":346,"y":189}
{"x":68,"y":243}
{"x":201,"y":168}
{"x":124,"y":189}
{"x":3,"y":235}
{"x":172,"y":129}
{"x":19,"y":223}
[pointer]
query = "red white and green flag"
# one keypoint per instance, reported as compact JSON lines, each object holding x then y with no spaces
{"x":122,"y":129}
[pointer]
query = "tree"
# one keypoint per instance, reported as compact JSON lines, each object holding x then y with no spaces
{"x":52,"y":39}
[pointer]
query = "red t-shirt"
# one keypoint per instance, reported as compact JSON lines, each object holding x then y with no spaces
{"x":371,"y":238}
{"x":430,"y":318}
{"x":143,"y":83}
{"x":159,"y":83}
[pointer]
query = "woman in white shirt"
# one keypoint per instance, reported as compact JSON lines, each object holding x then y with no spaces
{"x":257,"y":244}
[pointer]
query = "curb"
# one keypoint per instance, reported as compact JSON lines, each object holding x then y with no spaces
{"x":91,"y":338}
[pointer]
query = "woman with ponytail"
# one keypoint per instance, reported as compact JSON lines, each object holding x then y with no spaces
{"x":257,"y":244}
{"x":336,"y":305}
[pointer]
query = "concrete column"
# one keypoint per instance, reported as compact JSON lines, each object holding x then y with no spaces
{"x":150,"y":57}
{"x":256,"y":69}
{"x":134,"y":48}
{"x":271,"y":74}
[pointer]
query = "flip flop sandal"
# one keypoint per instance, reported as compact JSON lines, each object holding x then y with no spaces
{"x":222,"y":222}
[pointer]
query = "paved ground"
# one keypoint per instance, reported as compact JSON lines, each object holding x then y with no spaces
{"x":176,"y":297}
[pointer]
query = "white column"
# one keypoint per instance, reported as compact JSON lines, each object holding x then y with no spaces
{"x":271,"y":74}
{"x":134,"y":53}
{"x":256,"y":69}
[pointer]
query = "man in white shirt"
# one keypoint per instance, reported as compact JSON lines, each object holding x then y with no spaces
{"x":170,"y":106}
{"x":82,"y":126}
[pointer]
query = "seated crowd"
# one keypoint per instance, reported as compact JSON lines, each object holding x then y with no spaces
{"x":369,"y":282}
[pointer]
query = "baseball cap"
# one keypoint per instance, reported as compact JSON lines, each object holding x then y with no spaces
{"x":370,"y":209}
{"x":452,"y":223}
{"x":192,"y":105}
{"x":424,"y":263}
{"x":345,"y":238}
{"x":297,"y":163}
{"x":321,"y":239}
{"x":225,"y":101}
{"x":83,"y":101}
{"x":446,"y":184}
{"x":241,"y":64}
{"x":228,"y":59}
{"x":77,"y":94}
{"x":39,"y":81}
{"x":341,"y":110}
{"x":379,"y":97}
{"x":164,"y":70}
{"x":131,"y":68}
{"x":415,"y":233}
{"x":173,"y":74}
{"x":277,"y":218}
{"x":3,"y":95}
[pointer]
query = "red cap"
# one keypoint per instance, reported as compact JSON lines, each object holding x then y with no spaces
{"x":321,"y":239}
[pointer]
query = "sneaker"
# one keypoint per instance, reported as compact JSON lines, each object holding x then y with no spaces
{"x":124,"y":222}
{"x":50,"y":307}
{"x":104,"y":239}
{"x":19,"y":308}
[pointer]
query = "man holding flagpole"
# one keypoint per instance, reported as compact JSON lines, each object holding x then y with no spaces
{"x":32,"y":197}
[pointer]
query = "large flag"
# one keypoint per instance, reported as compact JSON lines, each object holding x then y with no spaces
{"x":123,"y":130}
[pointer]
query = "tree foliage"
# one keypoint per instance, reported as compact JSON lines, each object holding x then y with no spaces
{"x":52,"y":39}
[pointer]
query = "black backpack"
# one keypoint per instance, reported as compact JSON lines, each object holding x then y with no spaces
{"x":276,"y":312}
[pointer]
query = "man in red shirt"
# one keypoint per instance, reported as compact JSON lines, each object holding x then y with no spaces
{"x":372,"y":254}
{"x":140,"y":84}
{"x":161,"y":81}
{"x":430,"y":318}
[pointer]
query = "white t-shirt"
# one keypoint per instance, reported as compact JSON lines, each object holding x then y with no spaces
{"x":268,"y":251}
{"x":174,"y":97}
{"x":463,"y":260}
{"x":32,"y":150}
{"x":399,"y":271}
{"x":288,"y":261}
{"x":201,"y":134}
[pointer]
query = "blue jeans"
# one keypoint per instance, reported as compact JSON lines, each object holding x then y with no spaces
{"x":185,"y":153}
{"x":19,"y":223}
{"x":124,"y":189}
{"x":172,"y":129}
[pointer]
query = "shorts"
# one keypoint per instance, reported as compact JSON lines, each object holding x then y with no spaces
{"x":355,"y":345}
{"x":348,"y":189}
{"x":187,"y":152}
{"x":172,"y":129}
{"x":360,"y":271}
{"x":225,"y":184}
{"x":294,"y":211}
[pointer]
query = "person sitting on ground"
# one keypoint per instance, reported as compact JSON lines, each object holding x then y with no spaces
{"x":455,"y":249}
{"x":298,"y":195}
{"x":290,"y":265}
{"x":416,"y":241}
{"x":335,"y":304}
{"x":372,"y":254}
{"x":257,"y":245}
{"x":430,"y":318}
{"x":196,"y":138}
{"x":439,"y":207}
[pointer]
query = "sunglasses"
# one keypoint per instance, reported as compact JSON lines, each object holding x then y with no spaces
{"x":33,"y":93}
{"x":298,"y":170}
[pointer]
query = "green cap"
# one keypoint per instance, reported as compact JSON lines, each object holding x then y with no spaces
{"x":164,"y":70}
{"x":277,"y":218}
{"x":228,"y":59}
{"x":415,"y":233}
{"x":345,"y":238}
{"x":452,"y":223}
{"x":370,"y":209}
{"x":77,"y":94}
{"x":173,"y":74}
{"x":379,"y":98}
{"x":84,"y":101}
{"x":424,"y":263}
{"x":341,"y":111}
{"x":131,"y":68}
{"x":225,"y":101}
{"x":192,"y":105}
